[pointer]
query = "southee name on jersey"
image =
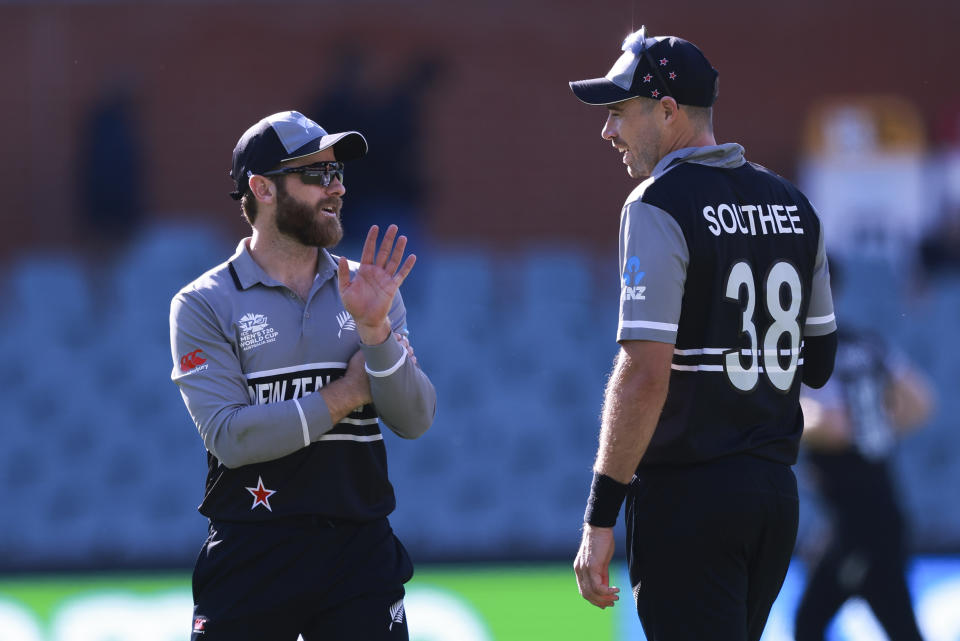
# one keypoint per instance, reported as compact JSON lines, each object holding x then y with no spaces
{"x":752,"y":219}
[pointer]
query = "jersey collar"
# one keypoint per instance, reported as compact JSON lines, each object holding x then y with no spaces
{"x":249,"y":273}
{"x":726,"y":156}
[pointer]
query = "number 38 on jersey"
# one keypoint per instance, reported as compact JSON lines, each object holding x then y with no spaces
{"x":775,"y":349}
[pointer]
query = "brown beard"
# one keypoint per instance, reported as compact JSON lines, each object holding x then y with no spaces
{"x":308,"y":225}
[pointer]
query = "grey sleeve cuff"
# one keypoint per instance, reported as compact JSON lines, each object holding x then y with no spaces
{"x":403,"y":395}
{"x":384,"y":359}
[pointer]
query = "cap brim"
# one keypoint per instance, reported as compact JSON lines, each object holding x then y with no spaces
{"x":599,"y":91}
{"x":347,"y":145}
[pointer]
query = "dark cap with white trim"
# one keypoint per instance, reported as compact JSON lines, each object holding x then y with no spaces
{"x":288,"y":135}
{"x":653,"y":68}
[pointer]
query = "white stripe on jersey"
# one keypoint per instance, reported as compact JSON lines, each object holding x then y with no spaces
{"x":296,"y":368}
{"x":303,"y":424}
{"x":667,"y":327}
{"x":697,"y":368}
{"x":359,"y":421}
{"x":717,"y":351}
{"x":351,"y":437}
{"x":719,"y":368}
{"x":820,"y":320}
{"x":705,"y":350}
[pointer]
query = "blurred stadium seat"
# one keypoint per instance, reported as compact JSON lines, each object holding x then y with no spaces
{"x":106,"y":468}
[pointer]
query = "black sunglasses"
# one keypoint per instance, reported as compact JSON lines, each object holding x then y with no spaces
{"x":638,"y":45}
{"x":319,"y":173}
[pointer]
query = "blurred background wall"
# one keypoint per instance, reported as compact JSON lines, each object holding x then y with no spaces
{"x":118,"y":123}
{"x":470,"y":97}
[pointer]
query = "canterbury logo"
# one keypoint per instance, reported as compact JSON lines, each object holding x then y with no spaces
{"x":192,"y":360}
{"x":346,"y":322}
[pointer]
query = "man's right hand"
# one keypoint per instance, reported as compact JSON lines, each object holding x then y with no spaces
{"x":592,"y":566}
{"x":357,"y":379}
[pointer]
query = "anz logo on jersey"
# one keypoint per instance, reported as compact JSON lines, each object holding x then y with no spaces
{"x":632,"y":289}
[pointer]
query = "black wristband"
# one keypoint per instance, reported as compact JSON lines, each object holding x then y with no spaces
{"x":606,"y":497}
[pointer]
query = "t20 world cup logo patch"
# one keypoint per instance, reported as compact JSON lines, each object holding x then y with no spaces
{"x":255,"y":331}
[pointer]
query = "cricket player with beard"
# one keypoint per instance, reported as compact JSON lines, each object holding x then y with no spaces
{"x":288,"y":358}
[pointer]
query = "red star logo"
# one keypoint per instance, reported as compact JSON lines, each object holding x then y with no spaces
{"x":647,"y":78}
{"x":261,"y":495}
{"x":663,"y":62}
{"x":655,"y":93}
{"x":673,"y":75}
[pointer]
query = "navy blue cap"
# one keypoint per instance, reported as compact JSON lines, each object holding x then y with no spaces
{"x":287,"y":135}
{"x":653,"y":68}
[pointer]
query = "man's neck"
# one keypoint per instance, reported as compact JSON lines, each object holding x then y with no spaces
{"x":285,"y":260}
{"x":694,"y":139}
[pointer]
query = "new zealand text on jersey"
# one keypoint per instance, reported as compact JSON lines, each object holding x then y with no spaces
{"x":286,"y":387}
{"x":752,"y":219}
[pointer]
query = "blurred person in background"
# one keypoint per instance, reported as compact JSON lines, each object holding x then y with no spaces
{"x":851,"y":426}
{"x":286,"y":357}
{"x":392,"y":184}
{"x":110,"y":170}
{"x":724,"y":274}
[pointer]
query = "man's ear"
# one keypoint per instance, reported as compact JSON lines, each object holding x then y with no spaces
{"x":263,"y":189}
{"x":670,"y":108}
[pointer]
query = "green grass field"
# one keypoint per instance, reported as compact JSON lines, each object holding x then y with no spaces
{"x":460,"y":603}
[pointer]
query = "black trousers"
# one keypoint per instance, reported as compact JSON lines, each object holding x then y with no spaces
{"x":871,"y":565}
{"x":300,"y":576}
{"x":708,"y":546}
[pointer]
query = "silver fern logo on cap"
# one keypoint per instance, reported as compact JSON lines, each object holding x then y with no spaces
{"x":346,"y":322}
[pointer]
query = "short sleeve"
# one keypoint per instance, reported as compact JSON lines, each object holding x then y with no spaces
{"x":653,"y":268}
{"x":820,"y":317}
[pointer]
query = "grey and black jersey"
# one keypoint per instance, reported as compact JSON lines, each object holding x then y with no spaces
{"x":724,"y":259}
{"x":249,"y":355}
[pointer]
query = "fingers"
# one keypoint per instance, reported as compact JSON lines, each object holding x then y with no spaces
{"x":405,"y":342}
{"x":595,"y":588}
{"x":396,"y":254}
{"x":405,"y":269}
{"x":605,"y":597}
{"x":386,"y":245}
{"x":389,"y":254}
{"x":369,"y":246}
{"x":356,"y":376}
{"x":343,"y":273}
{"x":592,"y":567}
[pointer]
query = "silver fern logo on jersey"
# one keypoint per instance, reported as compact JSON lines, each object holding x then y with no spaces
{"x":255,"y":331}
{"x":346,"y":322}
{"x":396,"y":614}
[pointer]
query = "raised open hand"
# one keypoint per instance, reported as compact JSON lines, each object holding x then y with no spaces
{"x":368,"y":296}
